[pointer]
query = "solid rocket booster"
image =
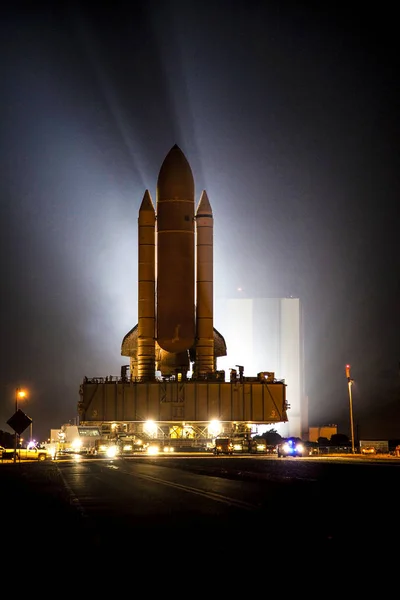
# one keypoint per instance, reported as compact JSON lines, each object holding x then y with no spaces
{"x":146,"y":289}
{"x":175,"y":322}
{"x":205,"y":362}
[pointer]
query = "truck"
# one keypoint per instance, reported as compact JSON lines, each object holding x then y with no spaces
{"x":79,"y":439}
{"x":374,"y":446}
{"x":237,"y":444}
{"x":244,"y":443}
{"x":32,"y":453}
{"x":222,"y":445}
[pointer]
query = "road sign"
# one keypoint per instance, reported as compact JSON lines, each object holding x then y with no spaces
{"x":19,"y":421}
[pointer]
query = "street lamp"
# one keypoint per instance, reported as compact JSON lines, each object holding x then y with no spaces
{"x":349,"y":384}
{"x":18,"y":394}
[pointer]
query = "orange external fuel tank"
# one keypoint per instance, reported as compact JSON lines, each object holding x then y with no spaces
{"x":175,"y":254}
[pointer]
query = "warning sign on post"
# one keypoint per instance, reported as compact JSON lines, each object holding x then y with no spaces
{"x":19,"y":421}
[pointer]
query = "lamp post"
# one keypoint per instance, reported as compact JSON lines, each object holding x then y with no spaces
{"x":349,"y":384}
{"x":18,"y":394}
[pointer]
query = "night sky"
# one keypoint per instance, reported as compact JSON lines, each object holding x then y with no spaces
{"x":288,"y":116}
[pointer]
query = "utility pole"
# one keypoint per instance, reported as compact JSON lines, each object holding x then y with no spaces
{"x":15,"y":433}
{"x":19,"y":394}
{"x":349,"y":384}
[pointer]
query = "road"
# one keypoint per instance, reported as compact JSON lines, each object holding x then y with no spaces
{"x":200,"y":501}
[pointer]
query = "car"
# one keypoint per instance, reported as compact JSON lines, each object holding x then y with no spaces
{"x":368,"y":450}
{"x":291,"y":447}
{"x":311,"y":448}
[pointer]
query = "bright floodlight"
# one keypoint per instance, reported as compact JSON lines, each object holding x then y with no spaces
{"x":214,"y":428}
{"x":150,"y":427}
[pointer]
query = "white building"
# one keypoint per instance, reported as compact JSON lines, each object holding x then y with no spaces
{"x":265,"y":334}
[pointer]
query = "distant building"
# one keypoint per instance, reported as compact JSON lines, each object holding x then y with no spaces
{"x":266,"y":334}
{"x":55,"y":435}
{"x":325,"y":431}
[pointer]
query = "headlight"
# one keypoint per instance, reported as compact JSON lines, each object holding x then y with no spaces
{"x":112,"y":451}
{"x":76,"y":445}
{"x":153,"y":449}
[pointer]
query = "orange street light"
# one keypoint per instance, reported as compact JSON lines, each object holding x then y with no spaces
{"x":19,"y":394}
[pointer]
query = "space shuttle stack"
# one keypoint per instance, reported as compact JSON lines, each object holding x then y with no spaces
{"x":174,"y":267}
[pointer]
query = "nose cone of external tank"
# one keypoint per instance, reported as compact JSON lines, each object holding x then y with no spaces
{"x":175,"y":179}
